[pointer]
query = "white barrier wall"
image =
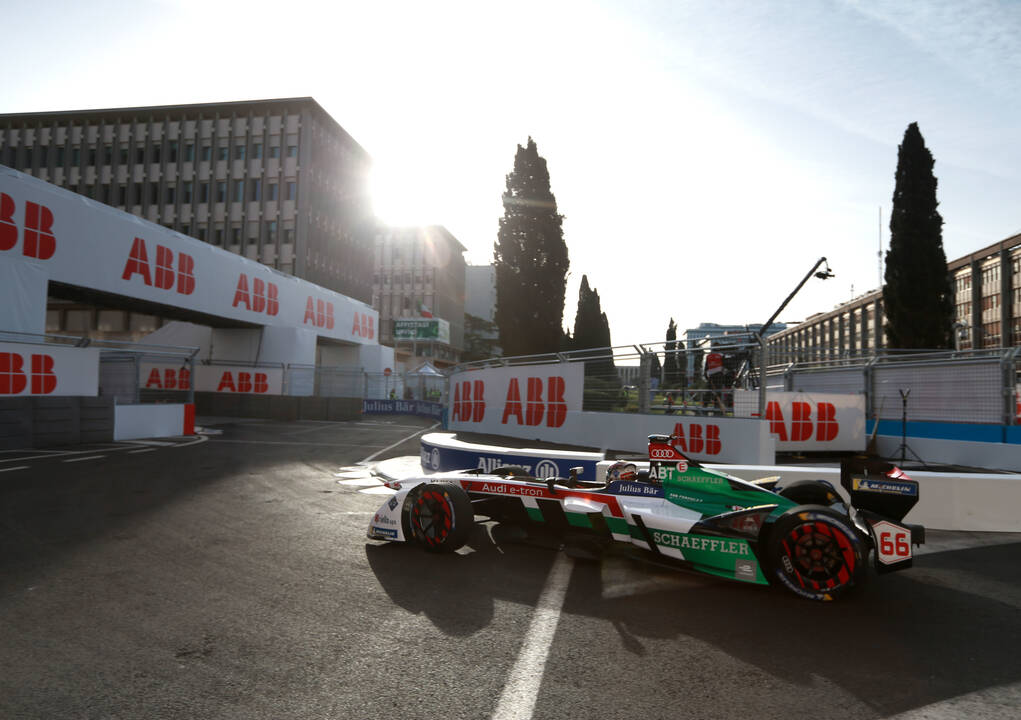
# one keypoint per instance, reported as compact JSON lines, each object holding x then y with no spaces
{"x":133,"y":422}
{"x":42,"y":370}
{"x":809,"y":422}
{"x":543,"y":402}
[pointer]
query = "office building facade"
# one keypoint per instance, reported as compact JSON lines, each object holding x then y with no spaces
{"x":277,"y":181}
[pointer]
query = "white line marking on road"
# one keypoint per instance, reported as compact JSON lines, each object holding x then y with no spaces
{"x":517,"y":702}
{"x":90,"y":457}
{"x":317,"y":444}
{"x":153,"y":443}
{"x":388,"y":447}
{"x":19,"y":467}
{"x":135,"y":452}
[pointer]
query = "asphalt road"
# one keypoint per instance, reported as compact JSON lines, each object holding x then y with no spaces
{"x":230,"y":577}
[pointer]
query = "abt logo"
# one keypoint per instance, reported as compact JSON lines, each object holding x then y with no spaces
{"x":697,"y":438}
{"x":801,"y":426}
{"x":554,"y":407}
{"x":14,"y":380}
{"x":263,"y":298}
{"x":40,"y":242}
{"x":170,"y":379}
{"x":364,"y":326}
{"x":467,"y":408}
{"x":320,"y":314}
{"x":165,"y":276}
{"x":246,"y":382}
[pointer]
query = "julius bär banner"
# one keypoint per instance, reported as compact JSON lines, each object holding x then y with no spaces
{"x":84,"y":243}
{"x":48,"y":370}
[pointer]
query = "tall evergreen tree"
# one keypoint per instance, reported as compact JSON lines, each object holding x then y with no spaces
{"x":917,"y":296}
{"x":531,"y":260}
{"x":592,"y":330}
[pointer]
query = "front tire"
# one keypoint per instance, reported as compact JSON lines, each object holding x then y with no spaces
{"x":815,"y":552}
{"x":441,"y":517}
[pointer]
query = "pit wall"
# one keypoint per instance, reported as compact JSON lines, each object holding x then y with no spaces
{"x":974,"y":502}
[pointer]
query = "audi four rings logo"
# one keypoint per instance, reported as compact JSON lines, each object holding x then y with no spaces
{"x":660,"y":453}
{"x":546,"y":468}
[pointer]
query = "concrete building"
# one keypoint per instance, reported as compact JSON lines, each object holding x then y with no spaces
{"x":420,"y":270}
{"x":277,"y":181}
{"x":987,"y":299}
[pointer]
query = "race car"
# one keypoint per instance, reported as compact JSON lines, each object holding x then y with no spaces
{"x":802,"y":535}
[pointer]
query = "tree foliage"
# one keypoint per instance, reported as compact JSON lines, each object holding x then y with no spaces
{"x":531,"y":260}
{"x":592,"y":330}
{"x":917,"y":295}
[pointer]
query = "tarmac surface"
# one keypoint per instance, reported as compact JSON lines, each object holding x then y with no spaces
{"x":229,"y":576}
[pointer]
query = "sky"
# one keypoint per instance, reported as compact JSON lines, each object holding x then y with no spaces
{"x":704,"y":154}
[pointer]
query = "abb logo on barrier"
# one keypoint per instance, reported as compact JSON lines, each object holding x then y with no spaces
{"x":13,"y":379}
{"x":40,"y":242}
{"x":363,"y":326}
{"x":801,"y":427}
{"x":165,"y":276}
{"x":170,"y":379}
{"x":466,"y":407}
{"x":698,"y":439}
{"x":264,"y":297}
{"x":319,"y":313}
{"x":553,"y":407}
{"x":246,"y":382}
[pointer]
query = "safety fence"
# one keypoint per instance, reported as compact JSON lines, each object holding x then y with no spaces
{"x":981,"y":386}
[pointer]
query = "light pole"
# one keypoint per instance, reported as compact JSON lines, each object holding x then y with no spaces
{"x":822,"y":275}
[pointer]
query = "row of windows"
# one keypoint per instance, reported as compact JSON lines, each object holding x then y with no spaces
{"x":42,"y":154}
{"x":134,"y":194}
{"x":396,"y":278}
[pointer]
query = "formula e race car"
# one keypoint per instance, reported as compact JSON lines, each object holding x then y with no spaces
{"x":801,"y":535}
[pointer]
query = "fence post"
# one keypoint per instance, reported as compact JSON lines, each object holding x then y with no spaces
{"x":1008,"y":365}
{"x":645,"y":383}
{"x":191,"y":379}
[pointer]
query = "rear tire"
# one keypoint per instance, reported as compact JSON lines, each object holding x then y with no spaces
{"x":441,"y":517}
{"x":815,"y":552}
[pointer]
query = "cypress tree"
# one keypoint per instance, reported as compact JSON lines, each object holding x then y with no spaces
{"x":671,"y":363}
{"x":917,"y":295}
{"x":592,"y":330}
{"x":531,"y":260}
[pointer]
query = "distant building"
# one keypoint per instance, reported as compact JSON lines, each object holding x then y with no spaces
{"x":987,"y":301}
{"x":709,"y":335}
{"x":420,"y":271}
{"x":480,"y":296}
{"x":277,"y":181}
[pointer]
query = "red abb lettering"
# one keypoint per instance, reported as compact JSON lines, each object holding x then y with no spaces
{"x":241,"y":293}
{"x":775,"y":417}
{"x":801,"y":421}
{"x":512,"y":405}
{"x":534,"y":408}
{"x":244,"y":382}
{"x":310,"y":311}
{"x":263,"y":297}
{"x":40,"y":242}
{"x":154,"y":380}
{"x":261,"y":383}
{"x":12,"y":376}
{"x":226,"y":382}
{"x":372,"y":329}
{"x":467,"y":409}
{"x":258,"y":295}
{"x":826,"y":422}
{"x":700,"y":439}
{"x":556,"y":411}
{"x":8,"y":229}
{"x":165,"y":276}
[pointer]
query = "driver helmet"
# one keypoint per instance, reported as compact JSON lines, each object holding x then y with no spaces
{"x":621,"y":471}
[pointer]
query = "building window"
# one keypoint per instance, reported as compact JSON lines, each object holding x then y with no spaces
{"x":207,"y":153}
{"x":271,"y":230}
{"x":289,"y":236}
{"x":257,"y":151}
{"x":204,"y":192}
{"x":108,"y":155}
{"x":186,"y":192}
{"x":154,"y":193}
{"x":186,"y":229}
{"x":274,"y":151}
{"x":239,"y":152}
{"x":221,"y":191}
{"x":235,"y":236}
{"x":189,"y":152}
{"x":139,"y":155}
{"x":218,"y":236}
{"x":255,"y":186}
{"x":171,"y":195}
{"x":156,"y":155}
{"x":202,"y":234}
{"x":292,"y":190}
{"x":292,"y":151}
{"x":222,"y":152}
{"x":122,"y":194}
{"x":60,"y":157}
{"x":239,"y":190}
{"x":104,"y":194}
{"x":122,"y":156}
{"x":92,"y":157}
{"x":138,"y":193}
{"x":172,"y":152}
{"x":271,"y":192}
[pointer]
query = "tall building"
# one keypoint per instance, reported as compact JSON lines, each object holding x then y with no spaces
{"x":278,"y":181}
{"x":420,"y":271}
